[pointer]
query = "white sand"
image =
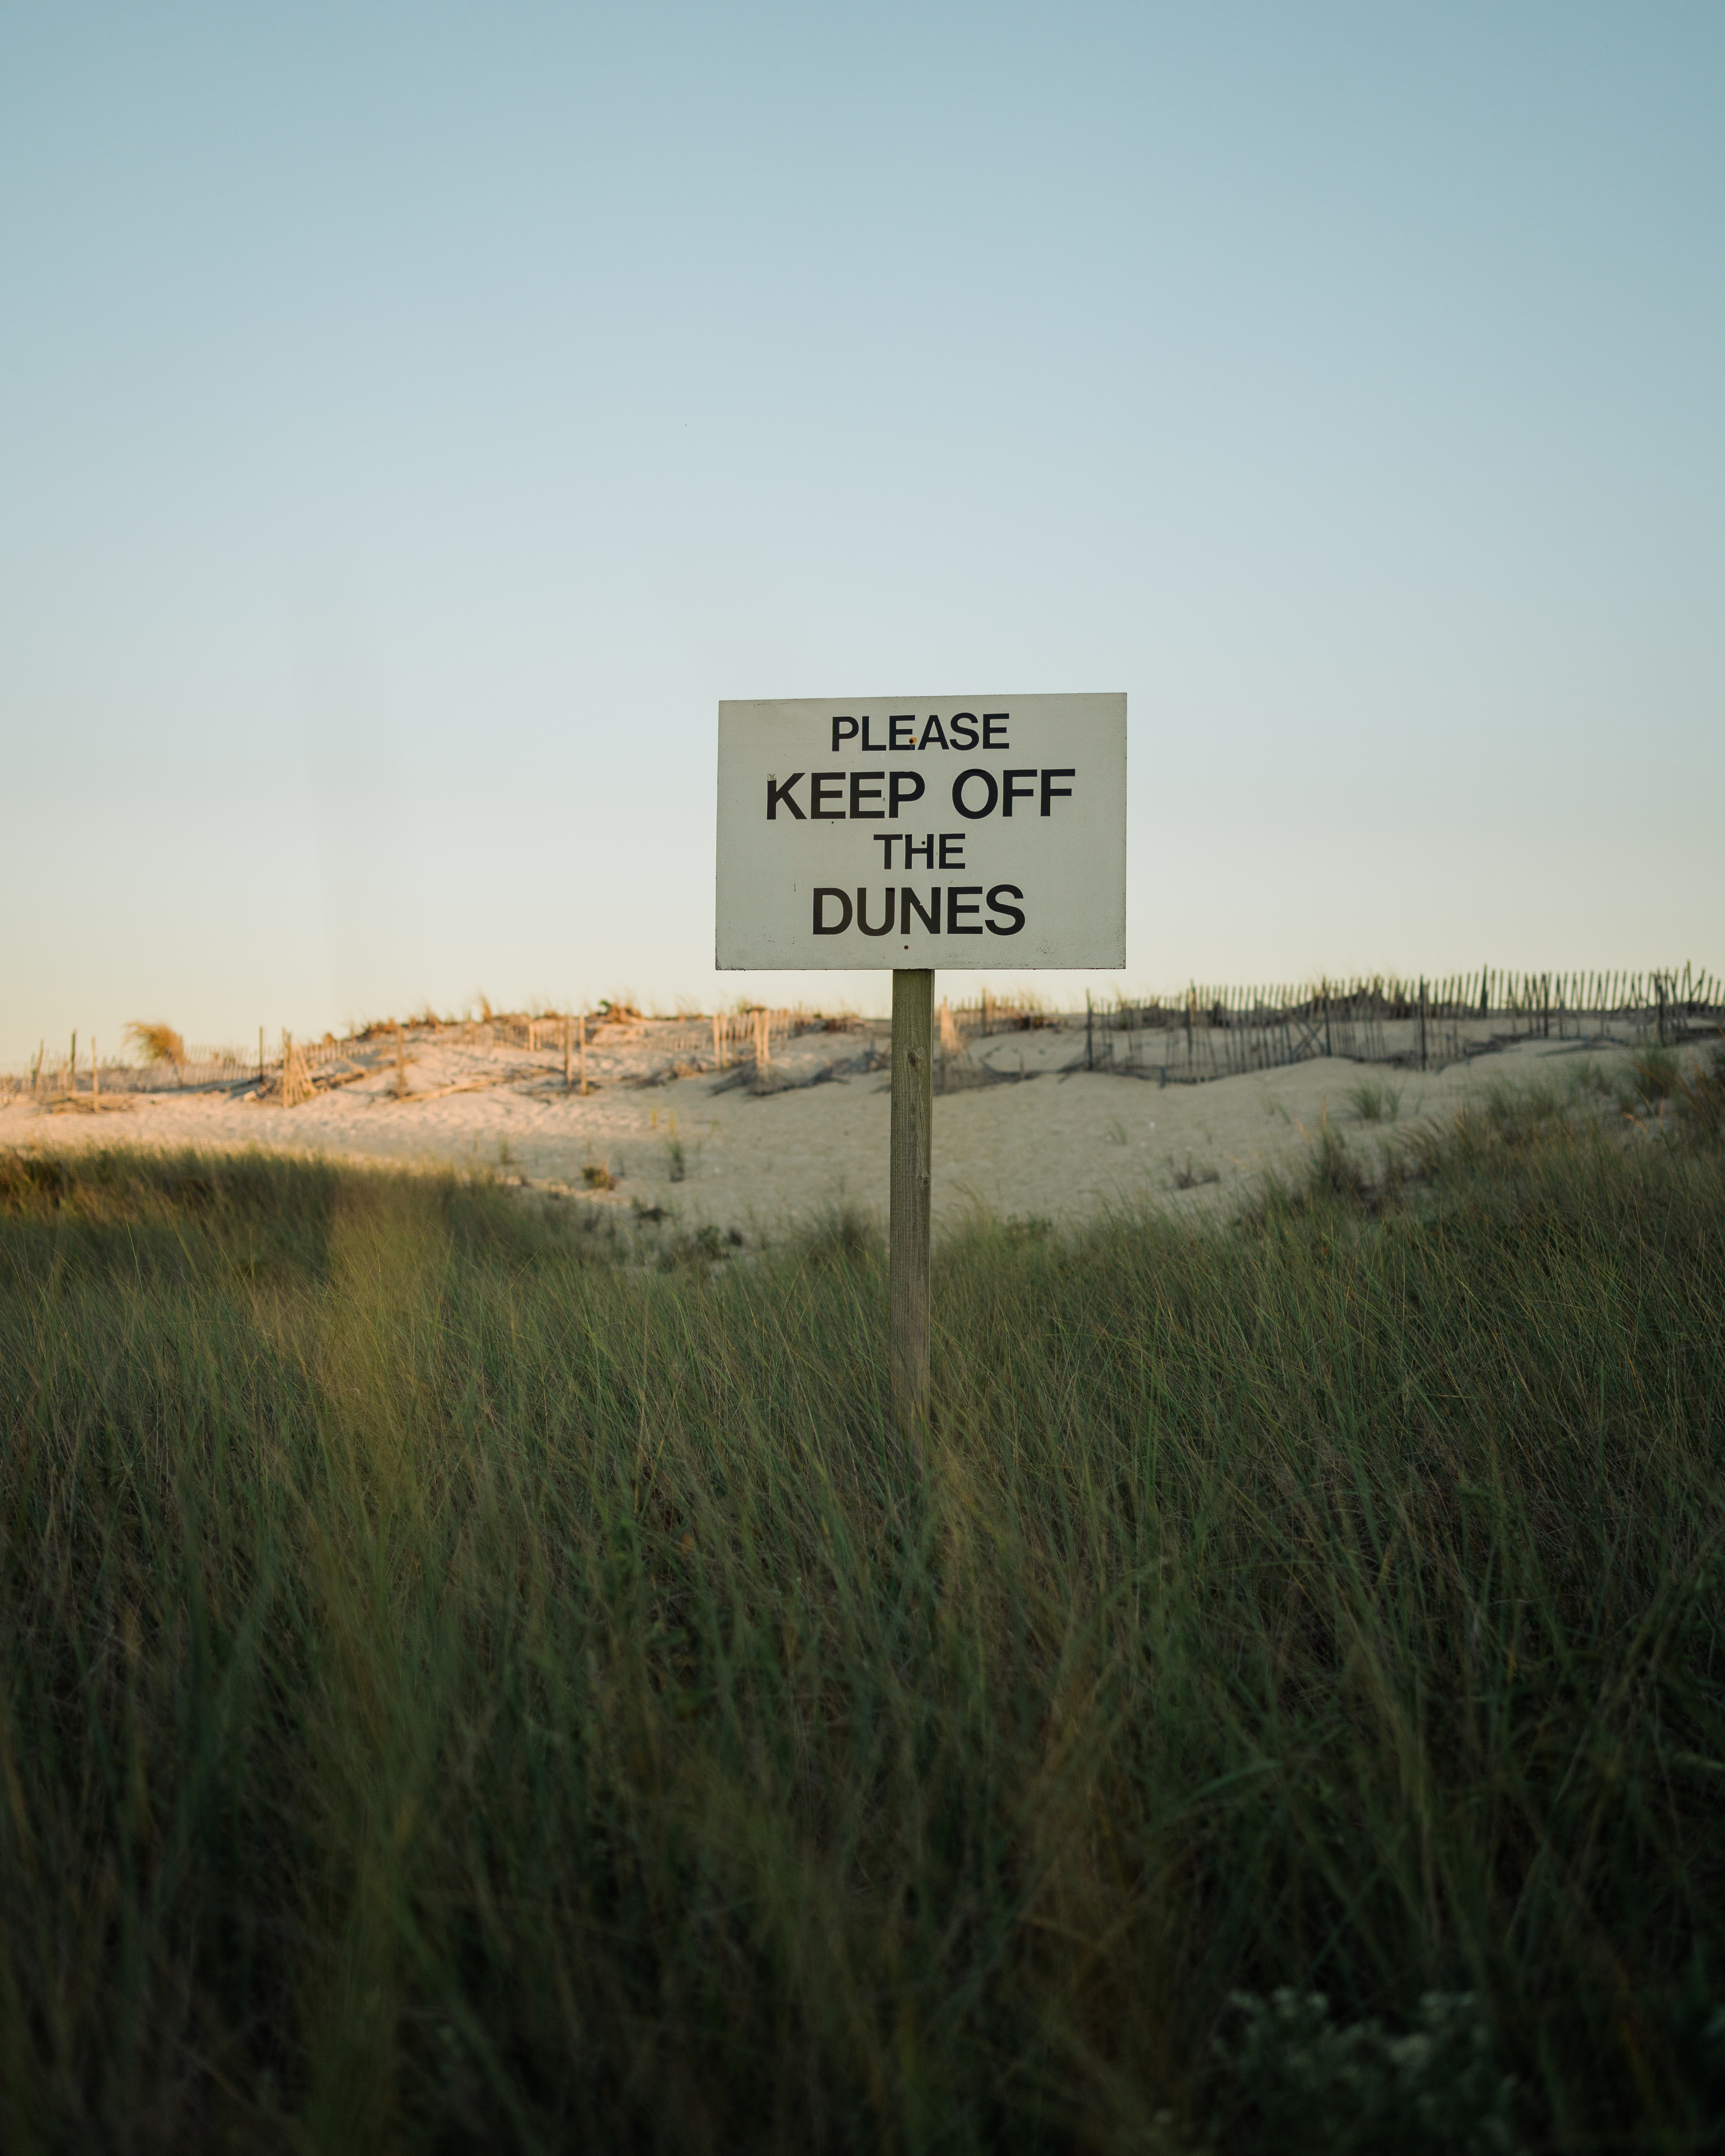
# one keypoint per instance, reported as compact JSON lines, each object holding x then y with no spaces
{"x":1063,"y":1145}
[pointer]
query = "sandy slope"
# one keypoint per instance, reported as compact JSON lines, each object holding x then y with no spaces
{"x":1061,"y":1144}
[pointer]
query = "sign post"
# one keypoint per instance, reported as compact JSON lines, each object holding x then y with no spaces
{"x":910,"y":1159}
{"x":909,"y":833}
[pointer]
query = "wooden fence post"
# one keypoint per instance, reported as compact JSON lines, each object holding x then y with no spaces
{"x":908,"y":1197}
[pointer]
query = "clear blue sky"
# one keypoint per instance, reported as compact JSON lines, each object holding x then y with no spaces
{"x":414,"y":419}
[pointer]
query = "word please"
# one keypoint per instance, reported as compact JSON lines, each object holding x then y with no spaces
{"x":976,"y":792}
{"x":901,"y":731}
{"x":833,"y":912}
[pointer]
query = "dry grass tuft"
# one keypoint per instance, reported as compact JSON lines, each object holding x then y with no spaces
{"x":156,"y":1043}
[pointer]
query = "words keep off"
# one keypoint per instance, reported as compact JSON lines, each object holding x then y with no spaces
{"x":838,"y":797}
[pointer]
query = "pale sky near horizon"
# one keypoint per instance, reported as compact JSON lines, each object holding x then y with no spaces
{"x":414,"y":420}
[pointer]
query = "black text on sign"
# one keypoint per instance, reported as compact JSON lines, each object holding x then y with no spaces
{"x":922,"y":831}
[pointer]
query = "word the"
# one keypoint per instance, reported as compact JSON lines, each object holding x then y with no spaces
{"x":948,"y":841}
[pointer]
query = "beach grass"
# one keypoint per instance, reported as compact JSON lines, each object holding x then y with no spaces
{"x":479,"y":1678}
{"x":1375,"y":1101}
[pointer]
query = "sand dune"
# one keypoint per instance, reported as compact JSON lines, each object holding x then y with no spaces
{"x":1042,"y":1140}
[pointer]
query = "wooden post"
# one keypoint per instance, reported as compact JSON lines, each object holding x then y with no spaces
{"x":580,"y":1038}
{"x":96,"y":1077}
{"x":401,"y":1066}
{"x":260,"y":1055}
{"x":72,"y":1068}
{"x":566,"y":1052}
{"x":908,"y":1253}
{"x":1090,"y":1035}
{"x":1422,"y":1025}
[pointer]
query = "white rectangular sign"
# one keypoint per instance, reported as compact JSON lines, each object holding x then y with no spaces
{"x":967,"y":831}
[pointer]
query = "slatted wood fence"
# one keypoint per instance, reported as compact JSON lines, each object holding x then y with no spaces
{"x":1213,"y":1032}
{"x":1205,"y":1032}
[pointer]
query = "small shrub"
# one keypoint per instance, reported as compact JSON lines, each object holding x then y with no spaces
{"x":842,"y":1239}
{"x":1518,"y":1115}
{"x":1374,"y":1101}
{"x":1657,"y":1075}
{"x":706,"y":1246}
{"x":30,"y":1184}
{"x":1588,"y":1083}
{"x":1305,"y":2083}
{"x":1700,"y":1098}
{"x":1334,"y":1167}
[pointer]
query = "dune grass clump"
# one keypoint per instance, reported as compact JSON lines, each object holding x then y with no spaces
{"x":1375,"y":1101}
{"x":466,"y":1688}
{"x":1656,"y":1073}
{"x":1699,"y":1096}
{"x":157,"y":1043}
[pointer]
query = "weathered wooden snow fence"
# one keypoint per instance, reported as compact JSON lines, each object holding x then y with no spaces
{"x":1208,"y":1032}
{"x":1421,"y":1025}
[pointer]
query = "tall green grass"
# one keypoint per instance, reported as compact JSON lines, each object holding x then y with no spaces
{"x":464,"y":1690}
